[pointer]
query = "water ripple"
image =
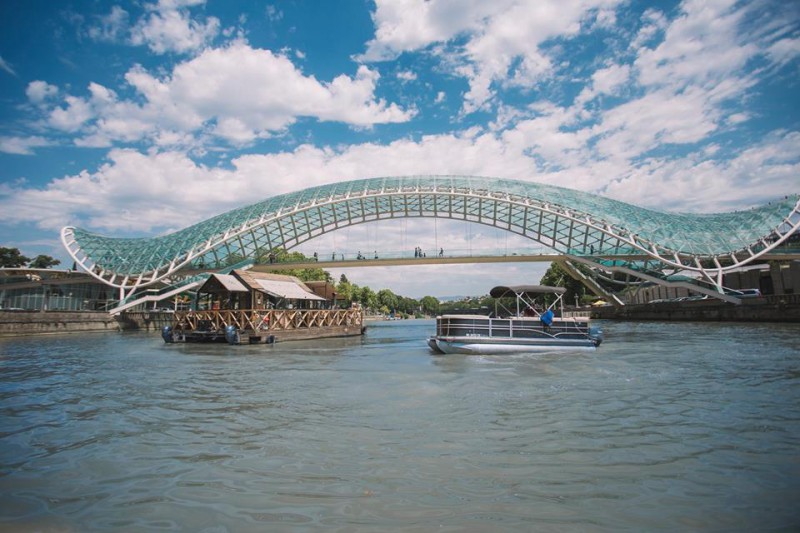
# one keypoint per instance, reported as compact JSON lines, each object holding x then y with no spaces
{"x":666,"y":427}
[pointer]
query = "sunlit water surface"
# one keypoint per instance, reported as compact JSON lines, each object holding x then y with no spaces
{"x":667,"y":427}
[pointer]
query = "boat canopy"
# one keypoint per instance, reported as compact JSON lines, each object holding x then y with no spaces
{"x":518,"y":290}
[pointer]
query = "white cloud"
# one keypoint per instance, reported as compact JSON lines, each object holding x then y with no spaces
{"x":653,"y":22}
{"x":701,"y":47}
{"x":112,"y":27}
{"x":170,"y":29}
{"x":607,"y":80}
{"x":5,"y":66}
{"x":504,"y":38}
{"x":73,"y":116}
{"x":657,"y":118}
{"x":177,"y":4}
{"x":606,"y":18}
{"x":40,"y":91}
{"x":545,"y":138}
{"x":21,"y":145}
{"x":504,"y":43}
{"x":687,"y":82}
{"x":610,"y":80}
{"x":273,"y":13}
{"x":237,"y":93}
{"x":408,"y":25}
{"x":760,"y":173}
{"x":738,"y":118}
{"x":167,"y":26}
{"x":784,"y":50}
{"x":270,"y":92}
{"x":142,"y":188}
{"x":406,"y":75}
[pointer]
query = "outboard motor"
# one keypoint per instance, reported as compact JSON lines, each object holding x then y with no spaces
{"x":166,"y":334}
{"x":232,"y":335}
{"x":596,"y":334}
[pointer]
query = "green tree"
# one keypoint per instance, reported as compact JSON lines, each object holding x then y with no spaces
{"x":344,"y":290}
{"x":368,"y":298}
{"x":12,"y":258}
{"x":388,"y":299}
{"x":481,"y":304}
{"x":556,"y":276}
{"x":280,"y":255}
{"x":407,"y":305}
{"x":430,"y":305}
{"x":44,"y":261}
{"x":309,"y":274}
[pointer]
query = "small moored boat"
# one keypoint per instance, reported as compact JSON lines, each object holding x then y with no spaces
{"x":525,"y":326}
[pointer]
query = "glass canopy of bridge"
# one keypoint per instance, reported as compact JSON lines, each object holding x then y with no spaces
{"x":587,"y":228}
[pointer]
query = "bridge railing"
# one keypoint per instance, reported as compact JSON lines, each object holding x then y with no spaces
{"x":258,"y":320}
{"x":431,"y":252}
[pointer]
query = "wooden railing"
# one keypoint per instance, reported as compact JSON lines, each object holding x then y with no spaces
{"x":266,"y":320}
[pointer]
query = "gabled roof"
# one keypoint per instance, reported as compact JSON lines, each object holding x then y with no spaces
{"x":226,"y":281}
{"x":277,"y":285}
{"x":286,"y":289}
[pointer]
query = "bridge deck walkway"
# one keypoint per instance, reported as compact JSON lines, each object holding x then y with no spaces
{"x":454,"y":260}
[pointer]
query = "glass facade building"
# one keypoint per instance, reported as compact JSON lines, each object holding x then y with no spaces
{"x":53,"y":290}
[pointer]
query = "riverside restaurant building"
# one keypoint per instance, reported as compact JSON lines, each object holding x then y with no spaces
{"x":246,"y":307}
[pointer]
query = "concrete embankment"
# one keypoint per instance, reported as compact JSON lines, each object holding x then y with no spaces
{"x":770,"y":309}
{"x":14,"y":323}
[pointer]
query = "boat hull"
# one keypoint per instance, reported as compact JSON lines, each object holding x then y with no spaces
{"x":483,"y":335}
{"x":487,"y":346}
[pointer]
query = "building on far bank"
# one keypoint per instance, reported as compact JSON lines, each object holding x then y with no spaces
{"x":44,"y":289}
{"x":767,"y":279}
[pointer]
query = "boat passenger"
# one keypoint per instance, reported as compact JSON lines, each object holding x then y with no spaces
{"x":547,"y":318}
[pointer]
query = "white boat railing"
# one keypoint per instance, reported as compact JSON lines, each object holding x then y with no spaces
{"x":508,"y":327}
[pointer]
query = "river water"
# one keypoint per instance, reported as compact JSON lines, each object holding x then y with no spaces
{"x":667,"y":427}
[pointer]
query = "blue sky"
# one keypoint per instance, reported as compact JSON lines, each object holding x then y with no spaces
{"x":139,"y":118}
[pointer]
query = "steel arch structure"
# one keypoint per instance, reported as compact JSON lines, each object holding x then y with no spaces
{"x":574,"y":223}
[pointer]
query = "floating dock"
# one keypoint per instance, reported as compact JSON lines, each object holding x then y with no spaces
{"x":260,"y":326}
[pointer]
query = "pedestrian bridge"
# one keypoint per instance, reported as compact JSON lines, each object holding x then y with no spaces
{"x":597,"y":232}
